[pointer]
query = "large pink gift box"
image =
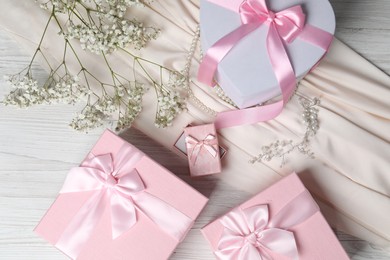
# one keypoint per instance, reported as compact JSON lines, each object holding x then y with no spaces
{"x":120,"y":204}
{"x":282,"y":222}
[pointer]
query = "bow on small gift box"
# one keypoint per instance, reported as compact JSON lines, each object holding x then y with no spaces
{"x":283,"y":28}
{"x":250,"y":233}
{"x":209,"y":144}
{"x":202,"y":149}
{"x":119,"y":187}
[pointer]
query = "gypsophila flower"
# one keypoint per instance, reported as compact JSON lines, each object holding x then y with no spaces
{"x":66,"y":90}
{"x":101,"y":27}
{"x":25,"y":91}
{"x":176,"y":80}
{"x":88,"y":119}
{"x":60,"y":6}
{"x":110,"y":30}
{"x":169,"y":106}
{"x":108,"y":38}
{"x":135,"y":92}
{"x":279,"y":149}
{"x":107,"y":104}
{"x":310,"y":115}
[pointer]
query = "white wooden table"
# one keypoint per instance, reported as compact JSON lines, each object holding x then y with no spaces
{"x":37,"y":148}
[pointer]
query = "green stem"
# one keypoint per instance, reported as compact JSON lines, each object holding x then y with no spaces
{"x":42,"y":37}
{"x":44,"y":57}
{"x":109,"y":67}
{"x":145,"y":60}
{"x":146,"y":72}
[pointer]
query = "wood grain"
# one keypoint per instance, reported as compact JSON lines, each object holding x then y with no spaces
{"x":37,"y":148}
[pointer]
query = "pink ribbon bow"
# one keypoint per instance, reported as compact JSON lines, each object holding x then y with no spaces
{"x":117,"y":185}
{"x":288,"y":23}
{"x":250,"y":233}
{"x":284,"y":26}
{"x":197,"y":145}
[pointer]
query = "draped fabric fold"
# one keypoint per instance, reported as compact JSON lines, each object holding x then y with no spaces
{"x":118,"y":186}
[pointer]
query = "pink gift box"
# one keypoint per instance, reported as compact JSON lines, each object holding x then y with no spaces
{"x":153,"y":235}
{"x":282,"y":222}
{"x":202,"y":150}
{"x":180,"y":146}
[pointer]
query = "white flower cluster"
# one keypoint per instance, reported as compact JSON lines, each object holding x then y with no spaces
{"x":107,"y":105}
{"x":128,"y":96}
{"x":112,"y":31}
{"x":108,"y":38}
{"x":134,"y":105}
{"x":60,"y":6}
{"x":101,"y":27}
{"x":88,"y":119}
{"x":310,"y":115}
{"x":176,"y":80}
{"x":115,"y":8}
{"x":169,"y":106}
{"x":66,"y":90}
{"x":26,"y":91}
{"x":274,"y":149}
{"x":280,"y":149}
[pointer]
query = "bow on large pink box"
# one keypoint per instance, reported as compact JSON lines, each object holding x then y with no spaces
{"x":120,"y":204}
{"x":258,"y":49}
{"x":282,"y":222}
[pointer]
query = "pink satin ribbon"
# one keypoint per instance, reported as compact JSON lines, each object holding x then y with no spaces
{"x":118,"y":186}
{"x":250,"y":233}
{"x":284,"y":27}
{"x":196,"y":146}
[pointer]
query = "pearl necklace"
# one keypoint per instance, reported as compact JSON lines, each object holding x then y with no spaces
{"x":186,"y":72}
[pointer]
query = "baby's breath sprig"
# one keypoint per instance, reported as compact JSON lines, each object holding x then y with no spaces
{"x":280,"y":149}
{"x":100,"y":27}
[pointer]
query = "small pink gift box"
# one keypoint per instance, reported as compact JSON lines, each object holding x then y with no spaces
{"x":120,"y":204}
{"x":282,"y":222}
{"x":202,"y":150}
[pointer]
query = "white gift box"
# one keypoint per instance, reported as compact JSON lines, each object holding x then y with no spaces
{"x":246,"y":74}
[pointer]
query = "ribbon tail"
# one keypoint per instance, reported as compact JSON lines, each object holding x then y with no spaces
{"x":79,"y":230}
{"x":123,"y":214}
{"x":243,"y":253}
{"x":249,"y":252}
{"x":281,"y":64}
{"x":280,"y":241}
{"x":210,"y":148}
{"x":297,"y":211}
{"x":169,"y":219}
{"x":248,"y":116}
{"x":227,"y":254}
{"x":316,"y":36}
{"x":195,"y":153}
{"x":219,"y":50}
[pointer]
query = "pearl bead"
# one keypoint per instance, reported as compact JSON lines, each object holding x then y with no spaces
{"x":186,"y":73}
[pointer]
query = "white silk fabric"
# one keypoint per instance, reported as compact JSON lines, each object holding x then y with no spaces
{"x":349,"y":178}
